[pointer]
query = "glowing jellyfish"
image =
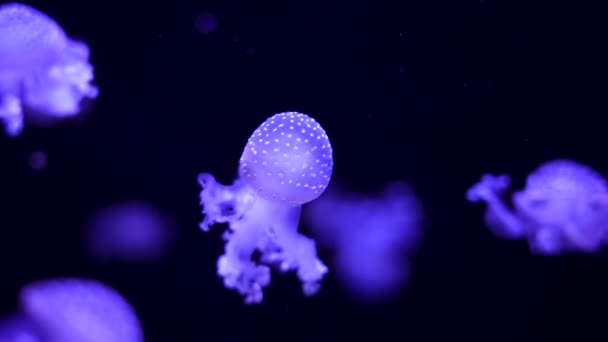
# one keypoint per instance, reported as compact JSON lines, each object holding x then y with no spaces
{"x":206,"y":23}
{"x":371,"y":237}
{"x":286,"y":163}
{"x":131,"y":231}
{"x":41,"y":69}
{"x":17,"y":328}
{"x":38,"y":160}
{"x":564,"y":207}
{"x":79,"y":310}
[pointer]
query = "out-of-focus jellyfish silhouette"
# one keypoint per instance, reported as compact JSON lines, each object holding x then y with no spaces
{"x":131,"y":231}
{"x":371,"y":238}
{"x":42,"y":71}
{"x":563,"y":208}
{"x":286,"y":163}
{"x":17,"y":328}
{"x":38,"y":160}
{"x":72,"y":310}
{"x":206,"y":23}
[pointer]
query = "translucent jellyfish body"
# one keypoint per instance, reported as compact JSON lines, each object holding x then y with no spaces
{"x":71,"y":310}
{"x":132,"y":231}
{"x":286,"y":163}
{"x":371,"y":238}
{"x":79,"y":310}
{"x":563,"y":207}
{"x":41,"y":70}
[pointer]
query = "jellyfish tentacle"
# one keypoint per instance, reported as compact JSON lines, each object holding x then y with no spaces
{"x":498,"y":216}
{"x":11,"y":114}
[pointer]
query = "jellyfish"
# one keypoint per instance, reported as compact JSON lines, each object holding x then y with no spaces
{"x":206,"y":23}
{"x":287,"y":162}
{"x":18,"y":328}
{"x":370,"y":237}
{"x":42,"y":71}
{"x":79,"y":310}
{"x":563,"y":208}
{"x":71,"y":310}
{"x":131,"y":231}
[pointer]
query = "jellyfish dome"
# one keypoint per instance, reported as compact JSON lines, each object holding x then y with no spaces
{"x":80,"y":310}
{"x":563,"y":208}
{"x":287,"y":162}
{"x":41,"y":69}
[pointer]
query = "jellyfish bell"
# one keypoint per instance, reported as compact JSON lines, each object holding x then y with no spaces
{"x":288,"y":158}
{"x":30,"y":38}
{"x":78,"y":310}
{"x":286,"y":163}
{"x":42,"y":71}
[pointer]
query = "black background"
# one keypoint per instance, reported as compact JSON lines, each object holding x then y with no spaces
{"x":431,"y":92}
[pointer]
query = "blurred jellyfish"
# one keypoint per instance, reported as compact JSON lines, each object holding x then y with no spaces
{"x":371,"y":238}
{"x":206,"y":23}
{"x":79,"y":310}
{"x":41,"y":69}
{"x":129,"y":231}
{"x":564,"y":207}
{"x":17,"y":328}
{"x":286,"y":163}
{"x":38,"y":160}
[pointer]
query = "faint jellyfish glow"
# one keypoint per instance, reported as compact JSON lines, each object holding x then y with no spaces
{"x":371,"y":237}
{"x":250,"y":51}
{"x":71,"y":310}
{"x":42,"y":71}
{"x":564,"y":207}
{"x":286,"y":163}
{"x":78,"y":310}
{"x":130,"y":231}
{"x":38,"y":160}
{"x":206,"y":23}
{"x":17,"y":328}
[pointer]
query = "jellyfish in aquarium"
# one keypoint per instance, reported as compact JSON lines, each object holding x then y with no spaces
{"x":130,"y":231}
{"x":18,"y":328}
{"x":371,"y":238}
{"x":563,"y":208}
{"x":286,"y":163}
{"x":71,"y":310}
{"x":78,"y":310}
{"x":42,"y":71}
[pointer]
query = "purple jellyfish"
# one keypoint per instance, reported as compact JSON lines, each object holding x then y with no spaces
{"x":371,"y":237}
{"x":206,"y":23}
{"x":18,"y":328}
{"x":79,"y":310}
{"x":286,"y":163}
{"x":564,"y":207}
{"x":38,"y":160}
{"x":131,"y":231}
{"x":41,"y":69}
